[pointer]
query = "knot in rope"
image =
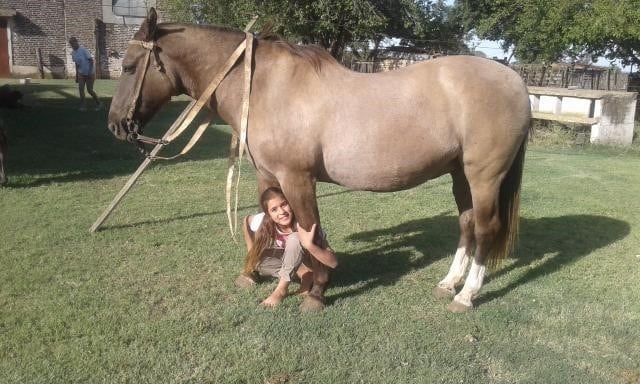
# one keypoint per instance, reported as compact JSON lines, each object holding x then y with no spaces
{"x":144,"y":44}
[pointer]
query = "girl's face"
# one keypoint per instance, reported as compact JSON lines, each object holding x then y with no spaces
{"x":280,"y":212}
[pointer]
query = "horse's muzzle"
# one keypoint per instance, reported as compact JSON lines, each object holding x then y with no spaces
{"x":117,"y":130}
{"x":127,"y":130}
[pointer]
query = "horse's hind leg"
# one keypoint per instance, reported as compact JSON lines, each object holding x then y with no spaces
{"x":486,"y":228}
{"x":462,"y":194}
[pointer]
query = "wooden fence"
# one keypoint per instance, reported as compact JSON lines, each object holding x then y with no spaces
{"x":567,"y":76}
{"x":537,"y":75}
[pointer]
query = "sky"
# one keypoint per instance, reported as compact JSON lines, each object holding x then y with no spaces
{"x":492,"y":49}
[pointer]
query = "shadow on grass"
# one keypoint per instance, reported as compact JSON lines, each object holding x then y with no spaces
{"x":557,"y":241}
{"x":52,"y":141}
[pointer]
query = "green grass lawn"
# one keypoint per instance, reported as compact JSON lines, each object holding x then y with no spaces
{"x":150,"y":298}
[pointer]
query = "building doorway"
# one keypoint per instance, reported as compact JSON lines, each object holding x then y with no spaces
{"x":5,"y":69}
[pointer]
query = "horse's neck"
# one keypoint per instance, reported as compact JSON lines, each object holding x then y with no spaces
{"x":201,"y":54}
{"x":198,"y":54}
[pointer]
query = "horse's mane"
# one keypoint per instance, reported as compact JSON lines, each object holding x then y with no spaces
{"x":315,"y":55}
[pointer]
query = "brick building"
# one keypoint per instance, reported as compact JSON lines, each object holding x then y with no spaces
{"x":34,"y":34}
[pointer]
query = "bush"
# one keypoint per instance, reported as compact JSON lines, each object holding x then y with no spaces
{"x":555,"y":134}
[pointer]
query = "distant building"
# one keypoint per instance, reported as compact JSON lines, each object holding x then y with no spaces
{"x":34,"y":34}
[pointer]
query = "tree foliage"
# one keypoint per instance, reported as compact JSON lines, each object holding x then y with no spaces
{"x":338,"y":24}
{"x":611,"y":29}
{"x":546,"y":30}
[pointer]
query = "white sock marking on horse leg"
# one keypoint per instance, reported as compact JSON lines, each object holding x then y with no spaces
{"x":472,"y":285}
{"x":456,"y":271}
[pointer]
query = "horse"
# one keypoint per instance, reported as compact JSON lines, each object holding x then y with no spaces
{"x":313,"y":120}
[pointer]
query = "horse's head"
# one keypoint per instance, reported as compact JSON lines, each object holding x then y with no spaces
{"x":144,"y":86}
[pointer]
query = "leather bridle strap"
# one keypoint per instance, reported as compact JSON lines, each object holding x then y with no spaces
{"x":148,"y":45}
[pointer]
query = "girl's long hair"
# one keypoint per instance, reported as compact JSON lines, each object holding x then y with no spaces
{"x":264,"y":236}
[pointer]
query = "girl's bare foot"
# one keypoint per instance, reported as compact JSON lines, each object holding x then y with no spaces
{"x":277,"y":296}
{"x":273,"y":300}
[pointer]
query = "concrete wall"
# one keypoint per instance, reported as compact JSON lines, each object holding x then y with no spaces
{"x":617,"y":114}
{"x":609,"y":113}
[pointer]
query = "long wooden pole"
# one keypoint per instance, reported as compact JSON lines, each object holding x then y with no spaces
{"x":132,"y":180}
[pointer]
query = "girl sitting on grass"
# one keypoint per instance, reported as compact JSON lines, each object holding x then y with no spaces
{"x":277,"y":247}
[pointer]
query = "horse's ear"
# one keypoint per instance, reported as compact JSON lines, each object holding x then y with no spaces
{"x":149,"y":25}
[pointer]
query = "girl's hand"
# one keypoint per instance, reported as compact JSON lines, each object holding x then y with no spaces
{"x":306,"y":238}
{"x":323,"y":255}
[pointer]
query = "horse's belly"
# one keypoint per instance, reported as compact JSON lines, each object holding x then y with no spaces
{"x":386,"y":174}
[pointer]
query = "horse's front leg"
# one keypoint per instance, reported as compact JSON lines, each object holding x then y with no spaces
{"x":300,"y":190}
{"x":266,"y":182}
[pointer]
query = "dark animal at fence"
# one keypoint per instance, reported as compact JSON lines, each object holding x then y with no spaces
{"x":3,"y":155}
{"x":311,"y":120}
{"x":10,"y":98}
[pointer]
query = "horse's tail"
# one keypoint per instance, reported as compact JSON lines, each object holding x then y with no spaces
{"x":509,"y":206}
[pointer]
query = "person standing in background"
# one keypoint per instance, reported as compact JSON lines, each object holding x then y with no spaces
{"x":85,"y":72}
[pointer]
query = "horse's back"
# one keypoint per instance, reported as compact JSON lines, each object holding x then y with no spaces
{"x":454,"y":92}
{"x":400,"y":128}
{"x":491,"y":107}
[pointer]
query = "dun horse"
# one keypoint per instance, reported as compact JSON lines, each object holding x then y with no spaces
{"x":311,"y":120}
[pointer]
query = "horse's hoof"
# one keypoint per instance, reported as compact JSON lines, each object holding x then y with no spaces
{"x":311,"y":304}
{"x":244,"y":281}
{"x":443,"y":293}
{"x":457,"y":307}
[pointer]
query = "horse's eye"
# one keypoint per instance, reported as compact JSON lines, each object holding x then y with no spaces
{"x":128,"y":68}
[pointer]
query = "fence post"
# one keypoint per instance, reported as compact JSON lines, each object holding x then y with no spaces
{"x":39,"y":62}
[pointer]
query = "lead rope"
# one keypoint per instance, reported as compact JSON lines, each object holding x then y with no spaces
{"x":242,"y":141}
{"x":180,"y":124}
{"x":202,"y":101}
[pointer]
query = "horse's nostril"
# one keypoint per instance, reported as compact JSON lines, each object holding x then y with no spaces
{"x":113,"y":127}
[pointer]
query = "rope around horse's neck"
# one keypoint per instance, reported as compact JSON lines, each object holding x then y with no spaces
{"x":203,"y":100}
{"x":177,"y":129}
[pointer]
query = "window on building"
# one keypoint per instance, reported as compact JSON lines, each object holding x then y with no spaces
{"x":132,"y":8}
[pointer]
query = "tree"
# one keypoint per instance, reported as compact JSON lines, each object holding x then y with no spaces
{"x":610,"y":29}
{"x":547,"y":30}
{"x":336,"y":24}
